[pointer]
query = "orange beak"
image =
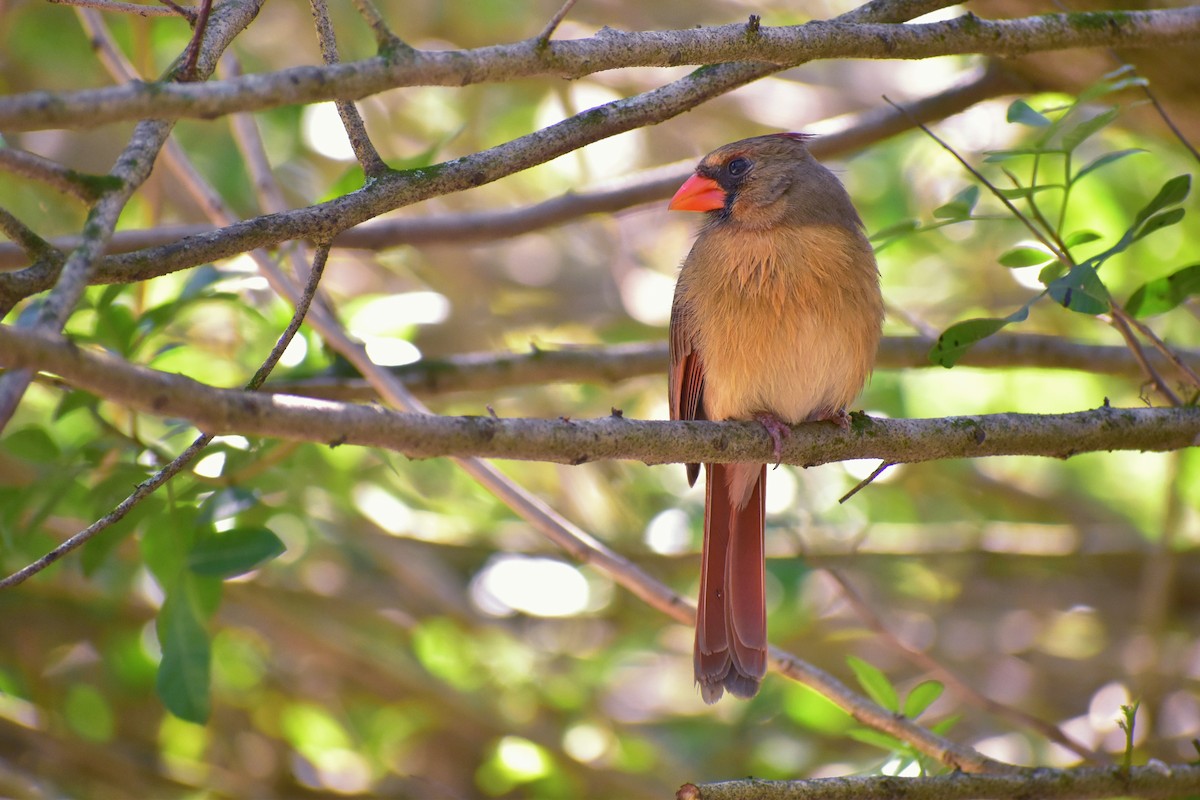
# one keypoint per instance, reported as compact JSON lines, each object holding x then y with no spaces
{"x":698,"y":194}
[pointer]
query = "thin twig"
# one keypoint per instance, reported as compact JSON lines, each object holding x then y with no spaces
{"x":1016,"y":212}
{"x":858,"y":487}
{"x":543,"y":38}
{"x":132,"y":8}
{"x":352,"y":121}
{"x":1158,"y":343}
{"x":385,"y":39}
{"x":187,"y":72}
{"x":1121,"y":323}
{"x":148,"y":487}
{"x":64,"y":179}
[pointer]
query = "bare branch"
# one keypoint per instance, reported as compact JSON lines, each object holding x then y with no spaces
{"x":490,"y":371}
{"x":1154,"y":781}
{"x":201,"y":247}
{"x":655,"y":184}
{"x":364,"y":150}
{"x":66,"y":180}
{"x":779,"y":47}
{"x":544,"y":37}
{"x":137,"y":9}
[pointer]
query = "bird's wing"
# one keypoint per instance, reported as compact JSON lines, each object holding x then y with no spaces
{"x":685,"y":380}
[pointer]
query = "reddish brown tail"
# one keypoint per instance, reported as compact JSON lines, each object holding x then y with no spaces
{"x":731,"y":620}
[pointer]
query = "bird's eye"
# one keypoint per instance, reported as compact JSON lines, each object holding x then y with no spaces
{"x":739,"y":166}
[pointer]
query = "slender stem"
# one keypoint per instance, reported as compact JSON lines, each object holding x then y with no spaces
{"x":543,"y":38}
{"x":364,"y":149}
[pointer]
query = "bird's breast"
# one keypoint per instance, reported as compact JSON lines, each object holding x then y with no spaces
{"x":785,"y":323}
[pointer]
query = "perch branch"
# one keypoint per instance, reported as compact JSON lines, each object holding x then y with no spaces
{"x":773,"y":47}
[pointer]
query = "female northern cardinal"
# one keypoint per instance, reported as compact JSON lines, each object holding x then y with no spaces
{"x":776,"y":317}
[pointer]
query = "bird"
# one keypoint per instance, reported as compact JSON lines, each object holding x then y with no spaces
{"x":776,"y":317}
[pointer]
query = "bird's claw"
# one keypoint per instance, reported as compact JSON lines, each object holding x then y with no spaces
{"x":840,"y":418}
{"x":778,"y":430}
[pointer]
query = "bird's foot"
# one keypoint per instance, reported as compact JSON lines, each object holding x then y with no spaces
{"x":839,"y":418}
{"x":777,"y":429}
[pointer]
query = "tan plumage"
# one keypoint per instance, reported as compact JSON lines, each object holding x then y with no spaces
{"x":777,"y":316}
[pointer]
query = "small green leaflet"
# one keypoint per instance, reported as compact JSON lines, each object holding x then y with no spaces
{"x":898,"y":229}
{"x":921,"y":697}
{"x":960,"y":206}
{"x":1025,"y":256}
{"x":1163,"y":294}
{"x":874,"y":683}
{"x":876,"y":738}
{"x":234,"y":552}
{"x":1081,"y":290}
{"x":1022,"y":112}
{"x":1159,"y":221}
{"x":1076,"y":135}
{"x":1080,"y":237}
{"x":1104,"y":160}
{"x":958,"y":338}
{"x":184,"y":672}
{"x":1173,"y":192}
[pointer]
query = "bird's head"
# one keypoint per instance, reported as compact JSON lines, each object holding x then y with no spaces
{"x":754,"y":182}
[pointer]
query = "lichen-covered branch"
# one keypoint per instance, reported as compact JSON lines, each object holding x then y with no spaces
{"x":608,"y":49}
{"x":1152,"y":781}
{"x":216,"y":410}
{"x":483,"y":226}
{"x":490,"y":371}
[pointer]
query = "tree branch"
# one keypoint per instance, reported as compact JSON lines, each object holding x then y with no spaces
{"x":131,"y":169}
{"x":490,"y":371}
{"x":779,"y":47}
{"x":653,"y":185}
{"x":579,"y":441}
{"x":1154,"y":781}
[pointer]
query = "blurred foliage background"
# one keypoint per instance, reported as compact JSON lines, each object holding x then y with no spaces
{"x":416,"y":639}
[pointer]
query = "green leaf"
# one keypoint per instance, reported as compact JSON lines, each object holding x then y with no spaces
{"x":1051,"y":272}
{"x":31,"y":444}
{"x":876,"y":738}
{"x":1104,"y":161}
{"x":72,"y":401}
{"x":898,"y":229}
{"x":1081,"y":290}
{"x":943,"y":727}
{"x":1025,"y":256}
{"x":165,"y":544}
{"x":1075,"y":135}
{"x":992,"y":156}
{"x":960,"y":206}
{"x":1021,"y":192}
{"x":874,"y":683}
{"x":234,"y":552}
{"x":1159,"y":221}
{"x":958,"y":338}
{"x":1173,"y":192}
{"x":921,"y":697}
{"x":1080,"y":237}
{"x":1021,"y":112}
{"x":1163,"y":294}
{"x":184,"y":672}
